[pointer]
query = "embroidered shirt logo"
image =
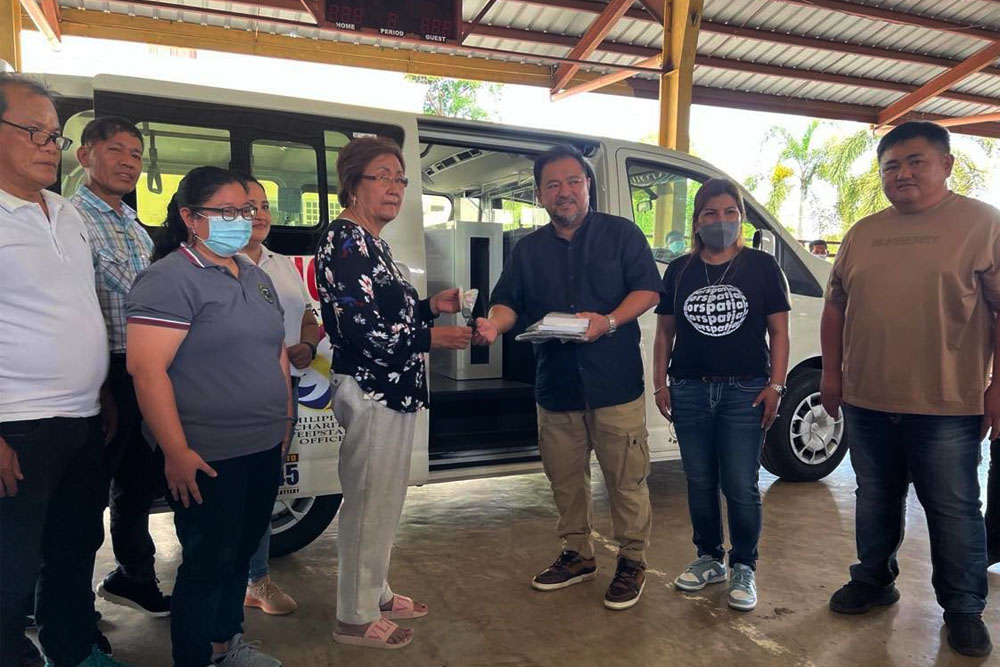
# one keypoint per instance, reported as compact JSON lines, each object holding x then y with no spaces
{"x":265,"y":292}
{"x":716,"y":310}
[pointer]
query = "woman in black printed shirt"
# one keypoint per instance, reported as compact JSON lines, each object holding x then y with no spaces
{"x":722,"y":338}
{"x":379,"y":331}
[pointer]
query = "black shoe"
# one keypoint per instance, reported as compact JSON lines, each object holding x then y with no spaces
{"x":142,"y":595}
{"x":967,"y":634}
{"x":102,"y":643}
{"x":30,"y":655}
{"x":627,"y":584}
{"x":858,"y":597}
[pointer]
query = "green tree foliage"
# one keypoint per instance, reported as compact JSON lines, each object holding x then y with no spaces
{"x":457,"y":98}
{"x":848,"y":164}
{"x":800,"y":161}
{"x":852,"y":169}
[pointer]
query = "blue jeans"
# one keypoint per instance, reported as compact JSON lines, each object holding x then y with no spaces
{"x":941,"y":455}
{"x":258,"y":562}
{"x":720,"y":438}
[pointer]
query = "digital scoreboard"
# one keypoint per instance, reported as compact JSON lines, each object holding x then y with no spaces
{"x":431,"y":20}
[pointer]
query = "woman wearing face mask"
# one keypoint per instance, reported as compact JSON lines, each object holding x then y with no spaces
{"x":206,"y":351}
{"x":722,"y":338}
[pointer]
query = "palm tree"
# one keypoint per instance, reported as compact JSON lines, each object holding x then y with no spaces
{"x":852,"y":169}
{"x":800,"y":162}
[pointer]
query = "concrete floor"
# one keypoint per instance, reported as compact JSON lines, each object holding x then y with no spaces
{"x":468,"y":549}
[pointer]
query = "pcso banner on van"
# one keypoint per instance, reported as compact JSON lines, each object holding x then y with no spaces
{"x":311,"y":462}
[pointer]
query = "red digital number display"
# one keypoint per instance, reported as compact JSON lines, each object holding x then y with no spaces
{"x":345,"y":13}
{"x":433,"y":20}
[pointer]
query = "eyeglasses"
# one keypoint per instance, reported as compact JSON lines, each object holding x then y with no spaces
{"x":230,"y":213}
{"x":40,"y":137}
{"x":574,"y":183}
{"x":386,"y":179}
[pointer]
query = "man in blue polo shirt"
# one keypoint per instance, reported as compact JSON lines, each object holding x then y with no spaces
{"x":590,"y":395}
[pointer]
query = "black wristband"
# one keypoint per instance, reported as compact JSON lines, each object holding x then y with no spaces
{"x":311,"y":347}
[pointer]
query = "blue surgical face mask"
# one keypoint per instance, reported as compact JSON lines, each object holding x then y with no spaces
{"x":227,"y":237}
{"x":721,"y":234}
{"x":677,"y":247}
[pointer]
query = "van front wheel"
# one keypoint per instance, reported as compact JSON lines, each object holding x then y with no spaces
{"x":805,"y":443}
{"x":296,"y":522}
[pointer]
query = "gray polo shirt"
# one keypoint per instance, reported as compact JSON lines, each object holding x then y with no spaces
{"x":230,"y":391}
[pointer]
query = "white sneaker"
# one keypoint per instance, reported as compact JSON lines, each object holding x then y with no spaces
{"x":706,"y":570}
{"x":742,"y":588}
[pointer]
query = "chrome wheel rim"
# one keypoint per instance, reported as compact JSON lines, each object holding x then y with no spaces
{"x":288,"y":512}
{"x":814,"y":435}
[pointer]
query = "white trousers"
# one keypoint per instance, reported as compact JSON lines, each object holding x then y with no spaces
{"x":374,"y":470}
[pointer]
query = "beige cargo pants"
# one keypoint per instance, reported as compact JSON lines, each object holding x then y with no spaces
{"x":617,"y":434}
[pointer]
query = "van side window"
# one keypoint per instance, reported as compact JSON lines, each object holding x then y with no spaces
{"x":333,"y":142}
{"x":663,"y":208}
{"x":71,"y":173}
{"x":171,"y":151}
{"x":463,"y":183}
{"x":288,"y":172}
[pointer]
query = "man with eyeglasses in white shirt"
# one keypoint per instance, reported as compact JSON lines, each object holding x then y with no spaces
{"x":53,"y":360}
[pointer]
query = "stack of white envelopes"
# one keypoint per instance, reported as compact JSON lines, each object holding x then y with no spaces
{"x":556,"y":326}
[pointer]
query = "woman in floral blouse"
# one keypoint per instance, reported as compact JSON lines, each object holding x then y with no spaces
{"x":379,"y":331}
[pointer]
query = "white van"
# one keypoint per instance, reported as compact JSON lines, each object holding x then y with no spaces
{"x":471,"y":198}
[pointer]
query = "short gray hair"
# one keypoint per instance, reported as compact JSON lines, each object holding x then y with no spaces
{"x":11,"y":79}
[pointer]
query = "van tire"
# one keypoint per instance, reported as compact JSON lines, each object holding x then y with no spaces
{"x":804,"y":444}
{"x":290,"y":534}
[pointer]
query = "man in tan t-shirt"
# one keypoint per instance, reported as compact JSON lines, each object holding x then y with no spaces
{"x":908,"y":333}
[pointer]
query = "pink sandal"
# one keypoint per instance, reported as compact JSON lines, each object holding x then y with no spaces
{"x":376,"y":636}
{"x":404,"y":608}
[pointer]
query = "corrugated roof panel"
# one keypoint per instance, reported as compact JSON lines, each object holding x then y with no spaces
{"x":980,"y":84}
{"x":955,"y":108}
{"x":736,"y":12}
{"x":826,"y":24}
{"x":641,"y":33}
{"x":772,"y":85}
{"x":970,"y":12}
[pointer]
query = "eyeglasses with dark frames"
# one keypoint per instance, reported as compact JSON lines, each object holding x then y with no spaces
{"x":229,"y":213}
{"x":386,"y":179}
{"x":40,"y":137}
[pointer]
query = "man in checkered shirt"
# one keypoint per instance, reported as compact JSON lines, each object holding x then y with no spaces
{"x":111,"y":156}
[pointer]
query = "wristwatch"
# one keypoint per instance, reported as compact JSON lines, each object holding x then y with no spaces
{"x":612,"y":324}
{"x":780,"y":388}
{"x":312,"y":348}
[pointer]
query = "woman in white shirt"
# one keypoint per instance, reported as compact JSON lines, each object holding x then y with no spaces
{"x":301,"y":337}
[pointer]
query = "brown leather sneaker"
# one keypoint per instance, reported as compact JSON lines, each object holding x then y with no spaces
{"x":570,"y":568}
{"x":626,"y":587}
